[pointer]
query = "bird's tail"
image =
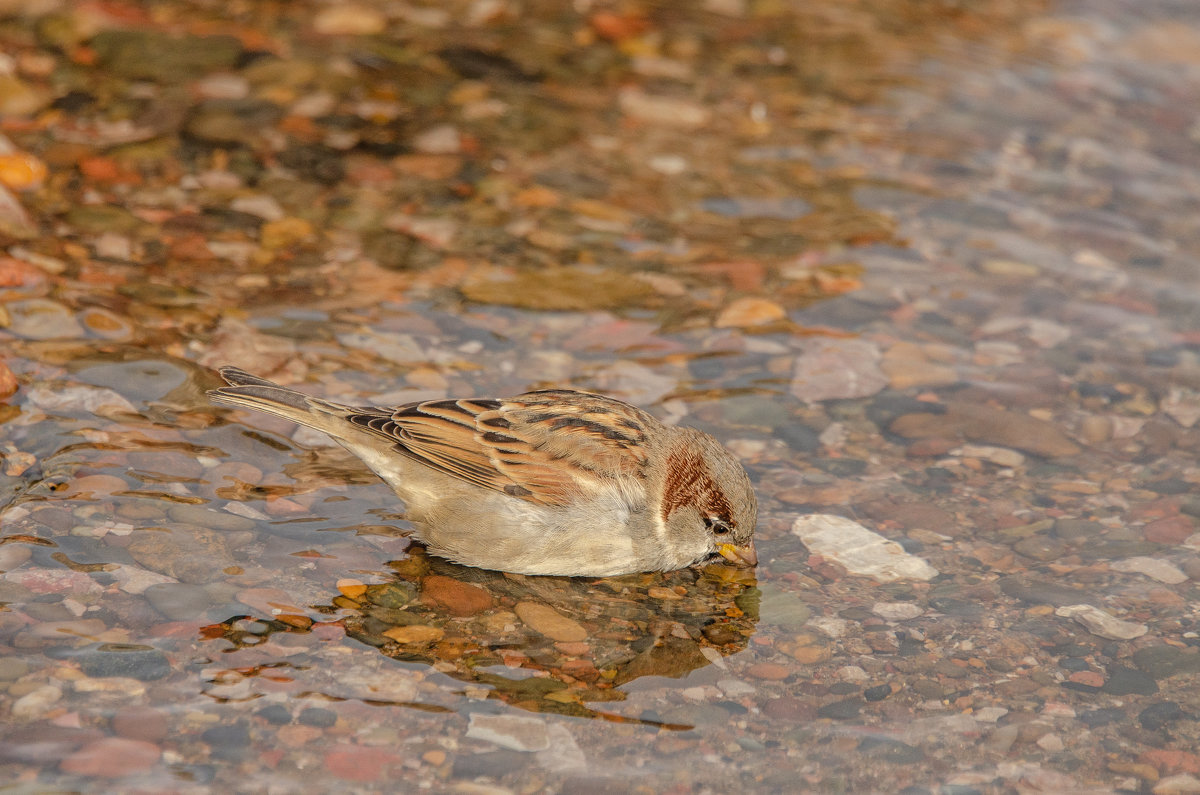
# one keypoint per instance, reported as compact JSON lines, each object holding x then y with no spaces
{"x":250,"y":391}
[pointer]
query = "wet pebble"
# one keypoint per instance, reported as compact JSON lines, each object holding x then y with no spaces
{"x":178,"y":601}
{"x":1165,"y":661}
{"x":206,"y":517}
{"x":771,"y":672}
{"x":747,"y":312}
{"x":515,"y":732}
{"x":230,"y":742}
{"x":42,"y":319}
{"x":35,"y":703}
{"x":897,"y":611}
{"x":549,"y":622}
{"x":275,"y":714}
{"x":270,"y":602}
{"x":1095,"y":429}
{"x":415,"y":633}
{"x":846,"y":709}
{"x":1124,"y":681}
{"x":858,"y":549}
{"x":349,"y":19}
{"x":1178,"y":784}
{"x":1000,"y":456}
{"x":1040,"y":547}
{"x":458,"y":598}
{"x":1098,"y":622}
{"x":492,"y":764}
{"x":1153,"y":568}
{"x":140,"y":723}
{"x":1033,"y":590}
{"x":112,"y":757}
{"x":360,"y":763}
{"x":790,"y":708}
{"x":12,"y":668}
{"x":1071,"y":530}
{"x":143,"y":663}
{"x":1158,"y":716}
{"x":105,"y":325}
{"x":989,"y":425}
{"x":135,"y":580}
{"x":777,"y":606}
{"x":13,"y":555}
{"x":1169,"y":530}
{"x":829,"y":369}
{"x":187,"y":553}
{"x":318,"y":717}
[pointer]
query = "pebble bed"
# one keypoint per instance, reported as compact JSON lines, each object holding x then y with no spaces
{"x":930,"y":270}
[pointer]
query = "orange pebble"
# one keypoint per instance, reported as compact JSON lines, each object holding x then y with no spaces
{"x":21,"y":171}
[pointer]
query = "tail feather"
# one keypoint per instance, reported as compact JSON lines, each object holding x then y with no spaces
{"x":250,"y":391}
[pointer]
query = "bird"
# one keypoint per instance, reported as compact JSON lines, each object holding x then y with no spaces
{"x":549,"y":482}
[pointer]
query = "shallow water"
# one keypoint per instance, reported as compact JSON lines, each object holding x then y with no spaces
{"x":928,"y":268}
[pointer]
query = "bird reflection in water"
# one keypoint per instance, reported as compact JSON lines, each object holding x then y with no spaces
{"x":543,"y":644}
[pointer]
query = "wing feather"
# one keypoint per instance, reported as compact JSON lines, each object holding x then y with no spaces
{"x":543,"y":447}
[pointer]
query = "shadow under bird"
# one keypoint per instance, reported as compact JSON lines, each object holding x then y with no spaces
{"x":548,"y":482}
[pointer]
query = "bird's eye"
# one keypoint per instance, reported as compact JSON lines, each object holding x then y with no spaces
{"x":717,"y":525}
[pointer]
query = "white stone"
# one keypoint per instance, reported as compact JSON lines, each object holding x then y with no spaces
{"x":135,"y":580}
{"x":832,"y":627}
{"x":939,"y":729}
{"x":35,"y":703}
{"x":1000,"y":456}
{"x":1181,"y":784}
{"x":1183,"y":406}
{"x":1153,"y":568}
{"x":733,"y":688}
{"x":859,"y":550}
{"x":1101,"y":623}
{"x":897,"y":611}
{"x":89,"y":400}
{"x":830,"y":369}
{"x":852,"y":673}
{"x":515,"y":732}
{"x":259,"y":205}
{"x":563,"y":754}
{"x":1051,"y":742}
{"x":990,"y":714}
{"x":440,"y":140}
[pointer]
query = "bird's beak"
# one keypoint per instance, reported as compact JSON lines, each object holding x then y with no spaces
{"x":741,"y":556}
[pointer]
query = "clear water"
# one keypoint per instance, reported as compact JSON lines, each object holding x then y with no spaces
{"x":932,"y":269}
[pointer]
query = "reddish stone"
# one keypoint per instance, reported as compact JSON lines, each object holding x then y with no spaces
{"x":1168,"y":761}
{"x":924,"y":516}
{"x":269,"y":601}
{"x":458,"y":598}
{"x":17,"y":273}
{"x":329,"y":631}
{"x":769,"y":671}
{"x":789,"y":708}
{"x":140,"y":723}
{"x":357,"y":763}
{"x":1155,"y":509}
{"x":1089,"y":678}
{"x":8,"y":381}
{"x":745,"y":275}
{"x":1171,"y":530}
{"x":112,"y":757}
{"x":581,"y":669}
{"x":931,"y":448}
{"x":573,"y":648}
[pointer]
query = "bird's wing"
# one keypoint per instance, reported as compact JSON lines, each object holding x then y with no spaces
{"x":543,"y":447}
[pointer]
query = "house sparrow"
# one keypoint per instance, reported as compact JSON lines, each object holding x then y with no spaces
{"x":548,"y":482}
